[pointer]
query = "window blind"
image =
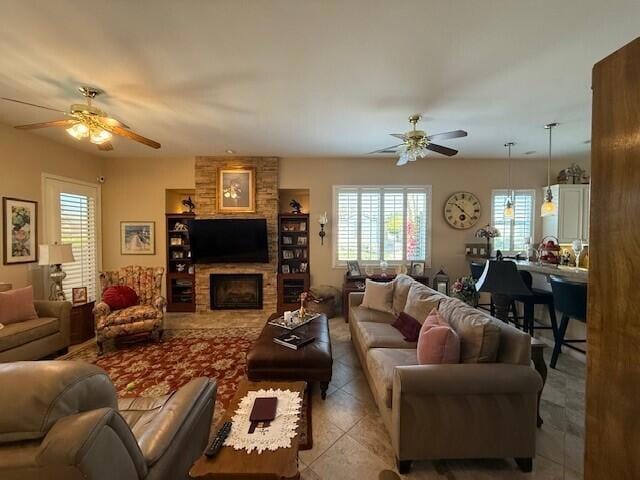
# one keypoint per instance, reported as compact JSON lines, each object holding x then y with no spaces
{"x":381,"y":223}
{"x":513,"y":232}
{"x":78,"y":227}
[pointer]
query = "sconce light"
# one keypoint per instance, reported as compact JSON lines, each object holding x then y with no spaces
{"x":322,"y":220}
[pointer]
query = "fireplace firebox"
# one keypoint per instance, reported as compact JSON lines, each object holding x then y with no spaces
{"x":235,"y":291}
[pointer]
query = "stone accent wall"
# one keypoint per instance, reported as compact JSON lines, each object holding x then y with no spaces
{"x":266,"y":169}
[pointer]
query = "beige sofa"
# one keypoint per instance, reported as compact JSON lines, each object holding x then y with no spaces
{"x":37,"y":338}
{"x":483,"y":408}
{"x":63,"y":420}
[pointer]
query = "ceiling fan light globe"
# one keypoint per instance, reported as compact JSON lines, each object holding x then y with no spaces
{"x":78,"y":131}
{"x":100,"y":136}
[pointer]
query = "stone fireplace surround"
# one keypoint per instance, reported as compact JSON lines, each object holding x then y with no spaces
{"x":266,"y":169}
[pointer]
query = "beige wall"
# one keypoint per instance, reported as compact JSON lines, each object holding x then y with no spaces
{"x":24,"y":157}
{"x":135,"y":190}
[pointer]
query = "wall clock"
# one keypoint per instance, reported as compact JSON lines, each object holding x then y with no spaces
{"x":462,"y":210}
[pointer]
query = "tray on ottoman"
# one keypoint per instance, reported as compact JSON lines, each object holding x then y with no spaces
{"x":267,"y":360}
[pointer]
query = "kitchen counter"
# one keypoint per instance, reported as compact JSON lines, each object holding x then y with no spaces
{"x":571,"y":273}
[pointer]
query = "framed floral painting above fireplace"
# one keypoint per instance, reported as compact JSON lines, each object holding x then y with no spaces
{"x":237,"y":190}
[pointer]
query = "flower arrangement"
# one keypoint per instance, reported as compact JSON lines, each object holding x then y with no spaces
{"x":464,"y":288}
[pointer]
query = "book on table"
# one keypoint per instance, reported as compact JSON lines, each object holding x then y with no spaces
{"x":293,"y":340}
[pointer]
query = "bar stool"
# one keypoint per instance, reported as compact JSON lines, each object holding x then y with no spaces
{"x":476,"y":272}
{"x":537,"y":297}
{"x":570,"y":299}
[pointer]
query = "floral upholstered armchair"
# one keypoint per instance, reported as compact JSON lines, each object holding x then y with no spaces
{"x":146,"y":317}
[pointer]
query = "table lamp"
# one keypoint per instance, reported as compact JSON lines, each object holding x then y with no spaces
{"x":55,"y":255}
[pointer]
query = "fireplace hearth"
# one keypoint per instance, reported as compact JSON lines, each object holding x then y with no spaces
{"x":235,"y":291}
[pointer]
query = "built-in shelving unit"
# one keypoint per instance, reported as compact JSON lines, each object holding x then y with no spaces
{"x":181,"y":278}
{"x":293,"y":259}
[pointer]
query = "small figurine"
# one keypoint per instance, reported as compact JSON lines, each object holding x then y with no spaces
{"x":295,"y":206}
{"x":189,"y":204}
{"x":302,"y":311}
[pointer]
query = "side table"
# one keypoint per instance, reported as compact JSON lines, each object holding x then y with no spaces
{"x":82,"y":323}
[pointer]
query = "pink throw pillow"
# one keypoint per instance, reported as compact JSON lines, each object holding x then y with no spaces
{"x":17,"y":306}
{"x":119,"y":297}
{"x":438,"y":342}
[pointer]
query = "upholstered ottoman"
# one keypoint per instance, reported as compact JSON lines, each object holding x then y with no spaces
{"x":313,"y":362}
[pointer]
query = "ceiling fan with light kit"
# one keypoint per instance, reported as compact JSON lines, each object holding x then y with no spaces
{"x":84,"y":120}
{"x":416,"y":143}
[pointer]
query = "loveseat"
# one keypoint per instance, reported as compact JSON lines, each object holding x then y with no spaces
{"x":37,"y":337}
{"x":483,"y":407}
{"x":62,"y":420}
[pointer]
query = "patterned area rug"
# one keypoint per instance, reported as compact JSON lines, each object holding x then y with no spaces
{"x":151,"y":369}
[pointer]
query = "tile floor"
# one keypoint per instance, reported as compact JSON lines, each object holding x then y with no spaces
{"x":351,"y":442}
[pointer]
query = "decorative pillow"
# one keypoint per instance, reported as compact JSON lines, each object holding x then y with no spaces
{"x":407,"y":326}
{"x":401,"y":285}
{"x":378,"y":296}
{"x":17,"y":306}
{"x":438,"y":343}
{"x":479,"y":335}
{"x":420,"y":302}
{"x":119,"y":297}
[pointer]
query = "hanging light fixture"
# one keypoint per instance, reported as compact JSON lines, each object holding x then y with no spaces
{"x":548,"y":206}
{"x":508,"y":206}
{"x":78,"y":131}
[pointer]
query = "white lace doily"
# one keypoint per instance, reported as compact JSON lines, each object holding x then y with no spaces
{"x":280,"y":431}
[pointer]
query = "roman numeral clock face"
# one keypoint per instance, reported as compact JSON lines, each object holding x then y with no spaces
{"x":462,"y":210}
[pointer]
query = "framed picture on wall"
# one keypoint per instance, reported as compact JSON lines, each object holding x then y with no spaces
{"x":20,"y":231}
{"x":138,"y":238}
{"x":237,"y":190}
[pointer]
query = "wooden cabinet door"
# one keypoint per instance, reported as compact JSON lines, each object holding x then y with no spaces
{"x":570,"y":213}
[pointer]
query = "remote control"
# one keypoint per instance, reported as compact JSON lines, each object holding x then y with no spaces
{"x":216,"y":443}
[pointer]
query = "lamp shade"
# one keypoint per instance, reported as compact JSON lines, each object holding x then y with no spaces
{"x":56,"y":254}
{"x":501,"y":278}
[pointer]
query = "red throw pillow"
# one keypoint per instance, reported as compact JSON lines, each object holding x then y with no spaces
{"x":408,"y":326}
{"x":120,"y":297}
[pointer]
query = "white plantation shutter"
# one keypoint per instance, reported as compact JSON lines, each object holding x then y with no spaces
{"x":78,"y":227}
{"x":72,"y":215}
{"x":514,"y":232}
{"x":376,"y":223}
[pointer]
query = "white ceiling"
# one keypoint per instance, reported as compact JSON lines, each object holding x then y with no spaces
{"x":314,"y":78}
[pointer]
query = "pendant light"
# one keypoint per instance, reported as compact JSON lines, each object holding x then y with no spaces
{"x":508,"y":206}
{"x":548,"y":207}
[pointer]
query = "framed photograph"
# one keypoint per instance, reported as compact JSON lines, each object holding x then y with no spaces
{"x":353,"y":268}
{"x":138,"y":238}
{"x":237,"y":190}
{"x":79,"y":295}
{"x":20,"y":227}
{"x":302,"y":240}
{"x":417,"y":269}
{"x":285,"y":268}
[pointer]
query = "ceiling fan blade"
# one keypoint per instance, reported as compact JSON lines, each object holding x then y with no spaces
{"x":387,"y":149}
{"x":449,"y":152}
{"x":398,"y":135}
{"x":123,"y":132}
{"x":106,"y":146}
{"x":447,"y":135}
{"x":54,"y":123}
{"x":402,"y":161}
{"x":112,"y":122}
{"x":34,"y":105}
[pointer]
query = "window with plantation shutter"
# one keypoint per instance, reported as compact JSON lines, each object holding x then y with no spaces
{"x":376,"y":223}
{"x":72,"y":217}
{"x":514,"y":232}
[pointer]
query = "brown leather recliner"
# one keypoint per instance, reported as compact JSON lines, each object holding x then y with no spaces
{"x":63,"y":420}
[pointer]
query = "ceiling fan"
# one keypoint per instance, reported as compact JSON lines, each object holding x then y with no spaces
{"x":416,"y":143}
{"x":85,"y":120}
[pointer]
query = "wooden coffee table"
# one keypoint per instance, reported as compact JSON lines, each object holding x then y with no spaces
{"x":234,"y":464}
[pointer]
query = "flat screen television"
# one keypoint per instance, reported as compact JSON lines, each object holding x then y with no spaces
{"x":229,"y":241}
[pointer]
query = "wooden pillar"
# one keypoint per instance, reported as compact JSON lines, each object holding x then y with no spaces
{"x":613,"y":360}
